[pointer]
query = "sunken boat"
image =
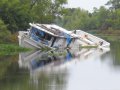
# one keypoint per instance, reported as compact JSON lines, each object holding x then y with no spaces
{"x":52,"y":36}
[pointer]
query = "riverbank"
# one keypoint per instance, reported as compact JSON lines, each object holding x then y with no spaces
{"x":109,"y":35}
{"x":105,"y":32}
{"x":10,"y":49}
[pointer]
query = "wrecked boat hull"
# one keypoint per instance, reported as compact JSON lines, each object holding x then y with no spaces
{"x":28,"y":42}
{"x":52,"y":36}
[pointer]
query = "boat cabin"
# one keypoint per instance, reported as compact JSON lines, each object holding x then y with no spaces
{"x":48,"y":36}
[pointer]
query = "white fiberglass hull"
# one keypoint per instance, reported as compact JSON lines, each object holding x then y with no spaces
{"x":26,"y":41}
{"x":52,"y":36}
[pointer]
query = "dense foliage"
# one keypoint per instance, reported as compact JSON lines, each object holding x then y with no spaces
{"x":100,"y":19}
{"x":17,"y":14}
{"x":4,"y":33}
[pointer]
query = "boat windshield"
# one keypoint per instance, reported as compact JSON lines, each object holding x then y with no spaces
{"x":39,"y":35}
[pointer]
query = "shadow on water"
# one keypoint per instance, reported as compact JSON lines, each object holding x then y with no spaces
{"x":55,"y":70}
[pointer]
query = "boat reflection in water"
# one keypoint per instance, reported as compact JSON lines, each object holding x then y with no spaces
{"x":55,"y":61}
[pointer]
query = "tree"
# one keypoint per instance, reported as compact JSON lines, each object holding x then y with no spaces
{"x":15,"y":14}
{"x":115,"y":13}
{"x":4,"y":33}
{"x":75,"y":18}
{"x":114,"y":4}
{"x":101,"y":17}
{"x":46,"y":11}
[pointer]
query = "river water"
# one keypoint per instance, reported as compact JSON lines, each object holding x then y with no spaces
{"x":83,"y":69}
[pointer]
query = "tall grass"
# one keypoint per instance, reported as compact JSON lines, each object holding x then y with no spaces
{"x":8,"y":49}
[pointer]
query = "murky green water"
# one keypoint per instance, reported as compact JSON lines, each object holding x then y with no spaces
{"x":84,"y":69}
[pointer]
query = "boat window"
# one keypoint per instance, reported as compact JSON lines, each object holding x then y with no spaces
{"x":37,"y":32}
{"x":48,"y":37}
{"x":41,"y":34}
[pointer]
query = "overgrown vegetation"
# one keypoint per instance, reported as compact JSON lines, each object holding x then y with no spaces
{"x":10,"y":49}
{"x":17,"y":14}
{"x":4,"y":33}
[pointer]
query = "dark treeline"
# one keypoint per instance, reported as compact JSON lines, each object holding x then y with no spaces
{"x":15,"y":15}
{"x":100,"y":19}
